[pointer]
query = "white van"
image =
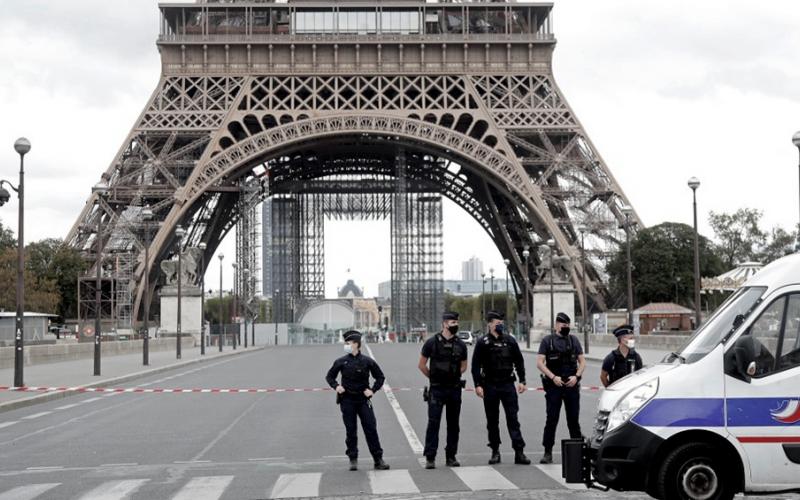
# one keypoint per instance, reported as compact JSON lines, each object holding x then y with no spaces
{"x":719,"y":417}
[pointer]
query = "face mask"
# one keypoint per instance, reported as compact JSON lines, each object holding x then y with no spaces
{"x":348,"y":348}
{"x":453,"y":329}
{"x":500,"y":328}
{"x":631,"y":343}
{"x":564,"y":330}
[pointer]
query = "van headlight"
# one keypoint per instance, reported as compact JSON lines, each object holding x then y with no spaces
{"x":631,"y":403}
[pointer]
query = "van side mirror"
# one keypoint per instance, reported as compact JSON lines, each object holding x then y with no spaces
{"x":751,"y":368}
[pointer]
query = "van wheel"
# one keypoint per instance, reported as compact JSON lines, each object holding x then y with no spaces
{"x":695,"y":471}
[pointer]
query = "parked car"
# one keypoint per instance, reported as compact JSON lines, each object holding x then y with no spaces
{"x":466,"y":336}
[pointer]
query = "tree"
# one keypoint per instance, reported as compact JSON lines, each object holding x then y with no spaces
{"x":52,"y":260}
{"x":7,"y":239}
{"x":663,"y":265}
{"x":779,"y":244}
{"x":739,"y":235}
{"x":41,"y":295}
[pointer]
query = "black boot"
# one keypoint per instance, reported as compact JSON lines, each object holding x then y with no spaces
{"x":353,"y":464}
{"x":547,"y":458}
{"x":380,"y":464}
{"x":452,"y":462}
{"x":520,"y":458}
{"x":430,"y":462}
{"x":495,"y":457}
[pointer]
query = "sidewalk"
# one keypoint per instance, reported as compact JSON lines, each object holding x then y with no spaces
{"x":114,"y":370}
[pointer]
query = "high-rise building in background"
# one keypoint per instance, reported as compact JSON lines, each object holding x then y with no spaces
{"x":471,"y":269}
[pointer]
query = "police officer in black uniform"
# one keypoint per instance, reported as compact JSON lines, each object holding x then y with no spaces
{"x":622,"y":360}
{"x":561,"y":362}
{"x":354,"y":396}
{"x":448,"y":360}
{"x":497,"y":356}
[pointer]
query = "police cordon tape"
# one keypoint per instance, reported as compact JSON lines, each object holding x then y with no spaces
{"x":142,"y":390}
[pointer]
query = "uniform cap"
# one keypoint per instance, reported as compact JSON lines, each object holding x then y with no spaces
{"x":623,"y":330}
{"x":450,"y":315}
{"x":563,"y":318}
{"x":494,"y":315}
{"x":352,"y":335}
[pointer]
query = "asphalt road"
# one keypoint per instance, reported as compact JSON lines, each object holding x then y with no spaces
{"x":264,"y":445}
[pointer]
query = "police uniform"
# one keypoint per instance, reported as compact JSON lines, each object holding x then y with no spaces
{"x":445,"y":358}
{"x":617,"y":365}
{"x":356,"y":370}
{"x":494,"y":361}
{"x":561,"y":358}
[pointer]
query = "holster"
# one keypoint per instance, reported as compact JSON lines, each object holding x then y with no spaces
{"x":339,"y":398}
{"x":426,"y":394}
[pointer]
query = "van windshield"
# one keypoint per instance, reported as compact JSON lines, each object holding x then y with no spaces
{"x":719,"y":324}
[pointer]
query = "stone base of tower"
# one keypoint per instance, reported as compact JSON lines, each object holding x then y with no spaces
{"x":563,"y":301}
{"x":191,"y":313}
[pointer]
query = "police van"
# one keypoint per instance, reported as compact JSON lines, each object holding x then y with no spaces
{"x":718,"y":417}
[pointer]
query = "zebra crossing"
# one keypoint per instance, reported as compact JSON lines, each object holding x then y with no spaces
{"x":287,"y":485}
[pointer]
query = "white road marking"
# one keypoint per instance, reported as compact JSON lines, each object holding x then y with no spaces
{"x":67,"y":407}
{"x":192,"y":461}
{"x":27,"y":492}
{"x":128,"y":464}
{"x":297,"y":485}
{"x":114,"y":490}
{"x":37,"y":415}
{"x":483,"y":477}
{"x":90,"y":400}
{"x":46,"y":467}
{"x":554,"y":472}
{"x":7,"y":424}
{"x":265,"y":459}
{"x":402,"y":419}
{"x":204,"y":488}
{"x":385,"y":482}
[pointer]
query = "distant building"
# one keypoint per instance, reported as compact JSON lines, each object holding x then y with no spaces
{"x":350,"y":290}
{"x":463,"y":288}
{"x":472,"y":269}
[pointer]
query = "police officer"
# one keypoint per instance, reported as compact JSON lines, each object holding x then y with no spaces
{"x":622,"y":360}
{"x":496,"y":358}
{"x":561,"y":362}
{"x":354,"y":396}
{"x":448,"y":360}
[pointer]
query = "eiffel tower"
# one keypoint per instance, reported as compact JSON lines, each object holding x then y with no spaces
{"x":404,"y":98}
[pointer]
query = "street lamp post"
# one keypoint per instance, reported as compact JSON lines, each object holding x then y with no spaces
{"x":694,"y":183}
{"x":585,"y":303}
{"x":525,"y":254}
{"x":796,"y":142}
{"x":245,"y":294}
{"x":628,"y":211}
{"x":100,"y":190}
{"x":483,"y":296}
{"x":179,"y":232}
{"x":235,"y":314}
{"x":274,"y":313}
{"x":551,"y":244}
{"x":147,"y":215}
{"x":677,"y":282}
{"x":491,"y":286}
{"x":220,"y":337}
{"x":202,"y":246}
{"x":22,"y":146}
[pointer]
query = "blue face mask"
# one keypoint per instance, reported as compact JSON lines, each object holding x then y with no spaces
{"x":500,"y":328}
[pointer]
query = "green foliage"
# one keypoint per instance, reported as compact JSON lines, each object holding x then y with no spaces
{"x":51,"y":260}
{"x":7,"y":238}
{"x":469,"y":308}
{"x":41,"y":295}
{"x":738,"y":235}
{"x":663,"y":261}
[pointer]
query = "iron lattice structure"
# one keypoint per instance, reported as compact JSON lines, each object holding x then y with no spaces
{"x":283,"y":94}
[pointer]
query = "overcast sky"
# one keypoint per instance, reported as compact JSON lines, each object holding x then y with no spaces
{"x":666,"y":91}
